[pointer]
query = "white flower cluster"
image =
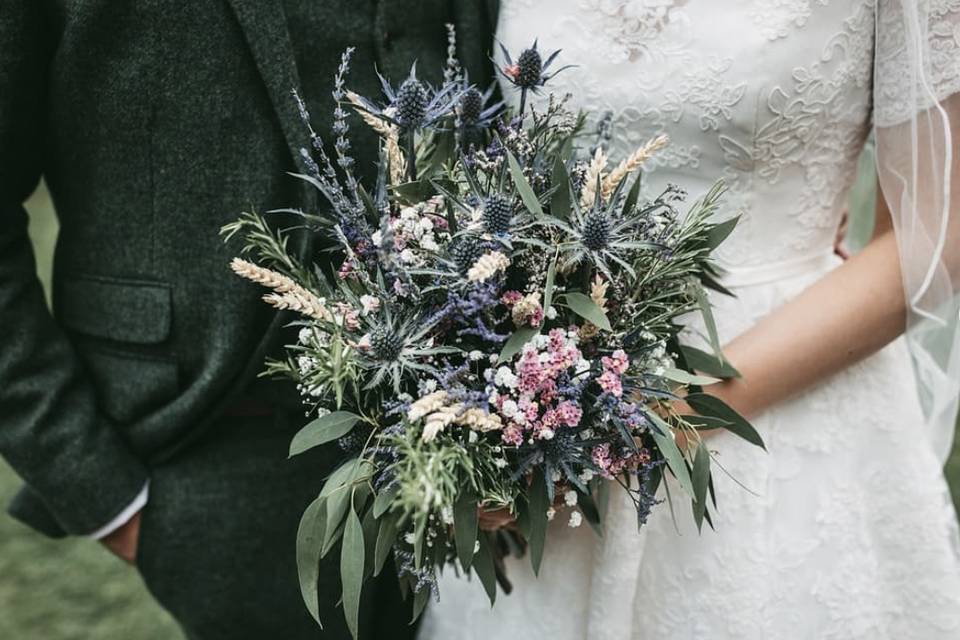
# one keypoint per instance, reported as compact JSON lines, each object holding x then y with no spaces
{"x":313,"y":338}
{"x":415,"y":231}
{"x":656,"y":360}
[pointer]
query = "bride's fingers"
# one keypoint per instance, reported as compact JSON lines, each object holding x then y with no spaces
{"x":494,"y":519}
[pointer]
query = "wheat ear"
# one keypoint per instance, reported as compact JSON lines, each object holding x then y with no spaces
{"x":388,"y":132}
{"x":636,"y":159}
{"x":287,"y":293}
{"x":382,"y":127}
{"x":594,"y":171}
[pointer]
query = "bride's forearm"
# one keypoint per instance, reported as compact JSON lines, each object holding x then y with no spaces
{"x":850,"y":313}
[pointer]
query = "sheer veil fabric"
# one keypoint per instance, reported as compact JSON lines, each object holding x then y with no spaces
{"x":916,"y":115}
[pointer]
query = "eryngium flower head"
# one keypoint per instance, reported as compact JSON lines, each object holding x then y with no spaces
{"x":465,"y":251}
{"x":411,"y":104}
{"x":596,"y":230}
{"x":530,"y":71}
{"x":471,"y":106}
{"x":497,"y":213}
{"x":529,"y":68}
{"x":385,"y":344}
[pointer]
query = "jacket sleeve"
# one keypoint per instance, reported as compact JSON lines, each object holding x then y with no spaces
{"x":50,"y":430}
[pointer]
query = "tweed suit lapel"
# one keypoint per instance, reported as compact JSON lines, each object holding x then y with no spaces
{"x":265,"y":28}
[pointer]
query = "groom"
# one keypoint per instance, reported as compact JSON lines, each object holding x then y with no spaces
{"x":133,"y":412}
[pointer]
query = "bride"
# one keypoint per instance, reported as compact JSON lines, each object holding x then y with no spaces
{"x":844,"y":527}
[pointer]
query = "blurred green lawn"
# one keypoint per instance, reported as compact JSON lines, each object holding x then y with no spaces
{"x":73,"y":589}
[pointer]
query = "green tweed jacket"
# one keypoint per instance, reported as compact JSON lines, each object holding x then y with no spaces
{"x":154,"y":123}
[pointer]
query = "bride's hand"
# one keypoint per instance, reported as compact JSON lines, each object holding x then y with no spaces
{"x":494,"y":519}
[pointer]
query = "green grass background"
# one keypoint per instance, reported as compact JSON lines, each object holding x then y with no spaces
{"x":73,"y":589}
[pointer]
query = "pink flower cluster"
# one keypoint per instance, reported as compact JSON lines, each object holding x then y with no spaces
{"x":527,"y":395}
{"x":611,"y":464}
{"x":614,"y":366}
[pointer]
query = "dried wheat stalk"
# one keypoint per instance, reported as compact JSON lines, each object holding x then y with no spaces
{"x":287,"y":293}
{"x":594,"y":171}
{"x":388,"y":132}
{"x":636,"y":159}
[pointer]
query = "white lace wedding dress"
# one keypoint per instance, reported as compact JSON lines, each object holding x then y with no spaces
{"x":845,"y":529}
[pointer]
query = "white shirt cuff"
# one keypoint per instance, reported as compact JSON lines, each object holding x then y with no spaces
{"x":124,"y":517}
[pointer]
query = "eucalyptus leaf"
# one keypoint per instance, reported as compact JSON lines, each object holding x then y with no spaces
{"x":513,"y":346}
{"x":560,"y":201}
{"x":706,"y":310}
{"x":419,"y":533}
{"x":539,"y":503}
{"x":549,"y":286}
{"x":590,"y":511}
{"x":483,"y":565}
{"x":309,"y":544}
{"x":386,"y":536}
{"x":465,"y":527}
{"x":713,"y":406}
{"x":529,"y":198}
{"x":701,"y":481}
{"x":671,"y":453}
{"x":685,"y":377}
{"x":344,"y":474}
{"x":708,"y":363}
{"x":338,"y":504}
{"x":323,"y":430}
{"x":420,"y":600}
{"x":352,"y":555}
{"x":586,"y":308}
{"x":381,"y":504}
{"x":371,"y":527}
{"x":719,"y":232}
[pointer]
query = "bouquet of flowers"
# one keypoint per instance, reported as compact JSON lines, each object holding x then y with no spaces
{"x":495,"y":325}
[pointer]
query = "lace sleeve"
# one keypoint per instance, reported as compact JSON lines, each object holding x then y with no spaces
{"x":934,"y":26}
{"x":916,"y":120}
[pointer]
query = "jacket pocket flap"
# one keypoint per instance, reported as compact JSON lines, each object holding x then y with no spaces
{"x":117,"y":309}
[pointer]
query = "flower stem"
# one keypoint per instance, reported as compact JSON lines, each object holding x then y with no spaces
{"x":523,"y":105}
{"x":411,"y":144}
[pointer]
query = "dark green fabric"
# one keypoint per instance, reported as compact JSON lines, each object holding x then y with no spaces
{"x":153,"y":124}
{"x":222,"y":586}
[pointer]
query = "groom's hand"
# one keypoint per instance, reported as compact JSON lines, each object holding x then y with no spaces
{"x":123,"y":541}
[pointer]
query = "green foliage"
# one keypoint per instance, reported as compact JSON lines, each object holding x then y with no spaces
{"x":324,"y":429}
{"x":583,"y":306}
{"x":352,"y":555}
{"x":465,"y":526}
{"x":515,"y":343}
{"x":309,"y":545}
{"x":530,"y":200}
{"x":539,"y":502}
{"x":268,"y":246}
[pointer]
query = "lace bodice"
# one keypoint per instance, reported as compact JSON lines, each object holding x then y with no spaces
{"x":774,"y":96}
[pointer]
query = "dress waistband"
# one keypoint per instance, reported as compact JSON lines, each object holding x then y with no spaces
{"x":739,"y":277}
